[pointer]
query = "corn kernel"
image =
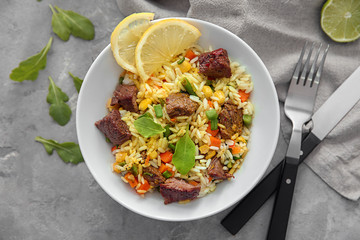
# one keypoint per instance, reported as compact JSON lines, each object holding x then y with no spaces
{"x":153,"y":155}
{"x":220,"y":95}
{"x":204,"y":149}
{"x":207,"y":91}
{"x":185,"y":66}
{"x":120,"y":157}
{"x":144,"y":104}
{"x":210,"y":154}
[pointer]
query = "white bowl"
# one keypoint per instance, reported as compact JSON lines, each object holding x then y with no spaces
{"x":98,"y":86}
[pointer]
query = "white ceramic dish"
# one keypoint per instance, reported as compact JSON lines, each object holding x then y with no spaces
{"x":98,"y":86}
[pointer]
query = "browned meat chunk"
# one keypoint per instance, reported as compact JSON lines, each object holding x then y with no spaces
{"x":175,"y":190}
{"x":114,"y":128}
{"x":215,"y":64}
{"x":125,"y":96}
{"x":153,"y":176}
{"x":231,"y":117}
{"x":216,"y":171}
{"x":179,"y":104}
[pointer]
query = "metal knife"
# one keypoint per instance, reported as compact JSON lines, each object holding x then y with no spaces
{"x":323,"y":121}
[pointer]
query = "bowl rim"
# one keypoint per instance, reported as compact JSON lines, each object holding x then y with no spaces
{"x":255,"y":180}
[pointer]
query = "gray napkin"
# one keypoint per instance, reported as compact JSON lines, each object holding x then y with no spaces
{"x":277,"y":30}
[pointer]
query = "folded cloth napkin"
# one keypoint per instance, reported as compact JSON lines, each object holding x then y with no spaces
{"x":277,"y":31}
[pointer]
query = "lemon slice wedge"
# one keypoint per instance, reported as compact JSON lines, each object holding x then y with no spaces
{"x":125,"y":37}
{"x":161,"y":42}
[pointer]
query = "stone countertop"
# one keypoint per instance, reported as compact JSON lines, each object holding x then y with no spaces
{"x":41,"y":197}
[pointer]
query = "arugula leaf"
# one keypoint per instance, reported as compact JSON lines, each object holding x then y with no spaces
{"x":69,"y":152}
{"x":67,"y":22}
{"x":77,"y":82}
{"x":184,"y":155}
{"x":147,"y":127}
{"x":58,"y":110}
{"x":59,"y":25}
{"x":29,"y":69}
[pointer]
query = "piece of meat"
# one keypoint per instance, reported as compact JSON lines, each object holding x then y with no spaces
{"x":215,"y":64}
{"x":153,"y":176}
{"x":216,"y":171}
{"x":179,"y":104}
{"x":125,"y":96}
{"x":115,"y":129}
{"x":232,"y":118}
{"x":175,"y":190}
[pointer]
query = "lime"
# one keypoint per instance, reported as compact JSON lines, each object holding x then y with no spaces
{"x":340,"y":20}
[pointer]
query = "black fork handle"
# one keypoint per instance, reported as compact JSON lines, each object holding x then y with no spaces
{"x":249,"y":205}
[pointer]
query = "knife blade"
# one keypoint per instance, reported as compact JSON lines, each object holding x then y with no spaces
{"x":323,"y":121}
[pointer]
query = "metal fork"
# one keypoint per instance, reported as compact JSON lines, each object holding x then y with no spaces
{"x":299,"y":105}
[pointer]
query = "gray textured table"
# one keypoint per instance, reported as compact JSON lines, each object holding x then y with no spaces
{"x":41,"y":197}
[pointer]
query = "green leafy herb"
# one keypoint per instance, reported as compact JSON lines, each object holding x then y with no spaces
{"x":184,"y":155}
{"x":58,"y":110}
{"x":29,"y":69}
{"x":158,"y":110}
{"x":147,"y":127}
{"x":167,"y":174}
{"x":181,"y":61}
{"x":77,"y":82}
{"x":237,"y":158}
{"x":187,"y":85}
{"x":69,"y":152}
{"x":146,"y":115}
{"x":66,"y":22}
{"x":149,"y":174}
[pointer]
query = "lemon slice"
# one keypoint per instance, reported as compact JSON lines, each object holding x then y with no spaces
{"x":125,"y":37}
{"x":161,"y":42}
{"x":340,"y":20}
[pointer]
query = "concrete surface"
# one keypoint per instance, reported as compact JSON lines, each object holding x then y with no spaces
{"x":41,"y":197}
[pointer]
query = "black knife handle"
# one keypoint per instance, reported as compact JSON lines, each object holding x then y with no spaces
{"x":282,"y":206}
{"x":249,"y":205}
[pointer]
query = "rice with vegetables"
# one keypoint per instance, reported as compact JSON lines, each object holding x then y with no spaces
{"x":183,"y":130}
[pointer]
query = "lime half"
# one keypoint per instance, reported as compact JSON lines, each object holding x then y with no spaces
{"x":340,"y":20}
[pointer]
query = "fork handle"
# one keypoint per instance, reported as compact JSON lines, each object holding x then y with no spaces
{"x":282,"y":205}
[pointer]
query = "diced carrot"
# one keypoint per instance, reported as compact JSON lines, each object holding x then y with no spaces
{"x":173,"y":119}
{"x":144,"y":186}
{"x":164,"y":168}
{"x":210,"y":178}
{"x":212,"y":132}
{"x":113,"y":148}
{"x":216,"y":142}
{"x":147,"y":159}
{"x":243,"y":95}
{"x":210,"y":103}
{"x":235,"y":150}
{"x":194,"y":183}
{"x":132,"y":180}
{"x":115,"y":168}
{"x":166,"y":157}
{"x":190,"y":54}
{"x":149,"y":81}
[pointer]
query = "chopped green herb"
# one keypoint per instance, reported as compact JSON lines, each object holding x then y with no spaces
{"x":147,"y":114}
{"x":121,"y":79}
{"x":171,"y":146}
{"x":181,"y":61}
{"x":147,"y":127}
{"x":134,"y":169}
{"x":237,"y":158}
{"x":162,"y":102}
{"x":167,"y":132}
{"x":247,"y":120}
{"x":184,"y":155}
{"x":187,"y":85}
{"x":214,"y":124}
{"x":107,"y":140}
{"x":77,"y":82}
{"x":69,"y":152}
{"x":166,"y":174}
{"x":29,"y":68}
{"x":158,"y":111}
{"x":58,"y":110}
{"x":212,"y":116}
{"x":122,"y":164}
{"x":149,"y":174}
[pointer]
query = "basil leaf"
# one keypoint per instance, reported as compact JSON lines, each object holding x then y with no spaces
{"x":79,"y":25}
{"x":59,"y":25}
{"x":184,"y":155}
{"x":147,"y":127}
{"x":58,"y":110}
{"x":69,"y":152}
{"x":29,"y":69}
{"x":77,"y":82}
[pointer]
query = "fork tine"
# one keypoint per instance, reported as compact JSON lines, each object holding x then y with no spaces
{"x":320,"y":69}
{"x":306,"y":66}
{"x":296,"y":73}
{"x":312,"y":70}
